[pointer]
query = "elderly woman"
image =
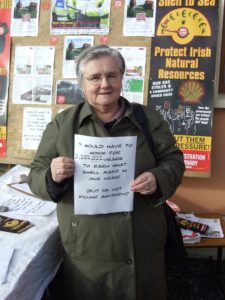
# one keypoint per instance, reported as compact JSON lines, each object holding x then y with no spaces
{"x":118,"y":255}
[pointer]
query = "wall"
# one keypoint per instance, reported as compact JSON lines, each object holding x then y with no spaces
{"x":207,"y":194}
{"x":195,"y":194}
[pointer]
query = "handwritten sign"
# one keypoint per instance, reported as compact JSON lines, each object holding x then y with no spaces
{"x":104,"y":169}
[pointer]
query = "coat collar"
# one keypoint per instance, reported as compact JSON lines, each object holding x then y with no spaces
{"x":87,"y":112}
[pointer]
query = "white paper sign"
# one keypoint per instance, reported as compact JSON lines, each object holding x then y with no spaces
{"x":103,"y":174}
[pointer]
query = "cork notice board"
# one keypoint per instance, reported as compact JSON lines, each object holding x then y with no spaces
{"x":15,"y":154}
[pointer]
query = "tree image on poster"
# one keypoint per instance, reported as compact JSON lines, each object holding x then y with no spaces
{"x":182,"y":72}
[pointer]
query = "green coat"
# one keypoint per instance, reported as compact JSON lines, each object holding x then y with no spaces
{"x":120,"y":255}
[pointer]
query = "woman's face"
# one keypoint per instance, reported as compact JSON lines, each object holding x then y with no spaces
{"x":102,"y":82}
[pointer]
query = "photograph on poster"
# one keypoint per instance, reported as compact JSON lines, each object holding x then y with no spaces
{"x":68,"y":92}
{"x":73,"y":46}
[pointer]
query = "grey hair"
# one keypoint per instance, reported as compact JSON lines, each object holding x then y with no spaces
{"x":96,"y":52}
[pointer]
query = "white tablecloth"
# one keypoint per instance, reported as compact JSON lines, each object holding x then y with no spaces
{"x":36,"y":259}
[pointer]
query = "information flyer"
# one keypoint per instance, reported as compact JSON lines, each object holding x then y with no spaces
{"x":33,"y":74}
{"x":24,"y":17}
{"x":133,"y":79}
{"x":139,"y":18}
{"x":181,"y":84}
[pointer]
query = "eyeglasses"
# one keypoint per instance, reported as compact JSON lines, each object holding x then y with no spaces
{"x":111,"y":78}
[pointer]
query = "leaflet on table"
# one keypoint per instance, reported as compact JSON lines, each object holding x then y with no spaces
{"x":190,"y":236}
{"x":103,"y":174}
{"x":18,"y":196}
{"x":14,"y":225}
{"x":13,"y":175}
{"x":214,"y":231}
{"x":20,"y":203}
{"x":192,"y":225}
{"x":6,"y":255}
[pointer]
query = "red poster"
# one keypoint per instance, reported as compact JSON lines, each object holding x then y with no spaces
{"x":5,"y":18}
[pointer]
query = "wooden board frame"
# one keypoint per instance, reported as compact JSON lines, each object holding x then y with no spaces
{"x":15,"y":154}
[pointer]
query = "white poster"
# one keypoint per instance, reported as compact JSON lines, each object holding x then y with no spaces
{"x":103,"y":174}
{"x":24,"y":18}
{"x":139,"y":18}
{"x":133,"y":80}
{"x":35,"y":120}
{"x":73,"y":46}
{"x":33,"y":75}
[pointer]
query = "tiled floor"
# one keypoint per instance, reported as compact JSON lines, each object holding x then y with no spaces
{"x":197,"y":280}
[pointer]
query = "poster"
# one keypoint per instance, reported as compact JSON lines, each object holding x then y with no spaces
{"x":35,"y":120}
{"x":25,"y":15}
{"x":80,"y":17}
{"x":33,"y":74}
{"x":181,"y":84}
{"x":139,"y":18}
{"x":133,"y":79}
{"x":73,"y":46}
{"x":5,"y":19}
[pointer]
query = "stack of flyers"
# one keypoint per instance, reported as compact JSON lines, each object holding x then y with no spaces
{"x":192,"y":225}
{"x":190,"y":236}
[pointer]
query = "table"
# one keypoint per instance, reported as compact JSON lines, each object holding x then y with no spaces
{"x":218,"y":243}
{"x":36,"y":260}
{"x":38,"y":250}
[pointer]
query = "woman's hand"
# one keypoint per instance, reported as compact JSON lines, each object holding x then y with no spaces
{"x":62,"y":168}
{"x":144,"y":184}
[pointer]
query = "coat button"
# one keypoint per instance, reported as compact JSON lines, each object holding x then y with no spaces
{"x":75,"y":223}
{"x":129,"y":261}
